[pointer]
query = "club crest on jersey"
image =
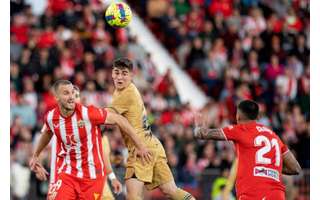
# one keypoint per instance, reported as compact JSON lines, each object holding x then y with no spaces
{"x":80,"y":123}
{"x":266,"y":172}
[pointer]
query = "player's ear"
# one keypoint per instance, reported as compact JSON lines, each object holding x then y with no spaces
{"x":239,"y":116}
{"x":55,"y":94}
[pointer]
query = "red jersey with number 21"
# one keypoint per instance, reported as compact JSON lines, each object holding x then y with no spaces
{"x":259,"y":152}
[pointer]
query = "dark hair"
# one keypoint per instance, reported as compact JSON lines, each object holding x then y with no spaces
{"x":60,"y":82}
{"x":123,"y":63}
{"x":249,"y":109}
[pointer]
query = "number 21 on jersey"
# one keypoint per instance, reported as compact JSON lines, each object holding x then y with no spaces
{"x":266,"y":146}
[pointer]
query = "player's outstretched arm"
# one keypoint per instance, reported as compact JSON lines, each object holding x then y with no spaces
{"x":208,"y":134}
{"x":35,"y":164}
{"x":290,"y":165}
{"x":44,"y":140}
{"x":125,"y":126}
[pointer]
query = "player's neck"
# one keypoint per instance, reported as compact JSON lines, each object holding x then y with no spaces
{"x":245,"y":121}
{"x":65,"y":112}
{"x":121,"y":89}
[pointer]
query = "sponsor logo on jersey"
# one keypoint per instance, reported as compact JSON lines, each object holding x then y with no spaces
{"x":266,"y":172}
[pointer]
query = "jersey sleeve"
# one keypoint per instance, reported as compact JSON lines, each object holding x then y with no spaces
{"x":231,"y":132}
{"x":119,"y":108}
{"x":284,"y":148}
{"x":45,"y":126}
{"x":97,"y":115}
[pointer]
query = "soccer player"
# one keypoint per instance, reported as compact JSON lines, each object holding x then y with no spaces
{"x":76,"y":128}
{"x":57,"y":160}
{"x":262,"y":156}
{"x":127,"y":101}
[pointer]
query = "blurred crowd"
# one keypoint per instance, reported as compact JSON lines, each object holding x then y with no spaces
{"x":233,"y":49}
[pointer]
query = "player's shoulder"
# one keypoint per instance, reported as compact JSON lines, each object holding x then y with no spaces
{"x":90,"y":106}
{"x":50,"y":113}
{"x":126,"y":93}
{"x":250,"y":128}
{"x":231,"y":127}
{"x":85,"y":109}
{"x":80,"y":106}
{"x":93,"y":108}
{"x":268,"y":131}
{"x":132,"y":89}
{"x":239,"y":127}
{"x":131,"y":92}
{"x":264,"y":128}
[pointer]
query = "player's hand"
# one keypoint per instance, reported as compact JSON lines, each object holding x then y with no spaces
{"x":34,"y":162}
{"x":200,"y":123}
{"x":144,"y":154}
{"x":35,"y":166}
{"x":117,"y":186}
{"x":41,"y":173}
{"x":200,"y":120}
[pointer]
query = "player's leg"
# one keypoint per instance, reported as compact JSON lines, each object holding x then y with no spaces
{"x":63,"y":189}
{"x":170,"y":190}
{"x":163,"y":179}
{"x":91,"y":189}
{"x":137,"y":174}
{"x":134,"y":189}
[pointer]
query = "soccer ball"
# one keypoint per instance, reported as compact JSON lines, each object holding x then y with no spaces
{"x":118,"y":14}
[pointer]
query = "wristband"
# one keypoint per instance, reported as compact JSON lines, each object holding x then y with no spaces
{"x":111,"y":176}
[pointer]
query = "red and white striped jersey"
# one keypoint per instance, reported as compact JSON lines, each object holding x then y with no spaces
{"x":79,"y":137}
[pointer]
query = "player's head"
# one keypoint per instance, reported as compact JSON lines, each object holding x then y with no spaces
{"x":76,"y":94}
{"x":122,"y":73}
{"x":64,"y":93}
{"x":247,"y":110}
